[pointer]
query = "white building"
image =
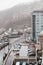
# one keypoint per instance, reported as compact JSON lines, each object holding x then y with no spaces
{"x":37,"y":24}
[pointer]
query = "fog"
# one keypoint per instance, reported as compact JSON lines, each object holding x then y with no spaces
{"x":5,"y":4}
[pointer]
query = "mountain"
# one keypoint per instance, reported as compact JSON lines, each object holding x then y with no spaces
{"x":19,"y":15}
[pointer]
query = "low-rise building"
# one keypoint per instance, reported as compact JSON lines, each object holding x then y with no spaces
{"x":37,"y":24}
{"x":22,"y":55}
{"x":41,"y":43}
{"x":41,"y":39}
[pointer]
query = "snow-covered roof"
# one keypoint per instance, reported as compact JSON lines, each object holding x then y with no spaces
{"x":20,"y":30}
{"x":15,"y":32}
{"x":41,"y":33}
{"x":24,"y":51}
{"x":2,"y":30}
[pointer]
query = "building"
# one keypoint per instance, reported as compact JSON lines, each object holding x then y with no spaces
{"x":22,"y":55}
{"x":41,"y":39}
{"x":37,"y":24}
{"x":24,"y":50}
{"x":41,"y":43}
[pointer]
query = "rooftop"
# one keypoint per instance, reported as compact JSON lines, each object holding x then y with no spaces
{"x":38,"y":11}
{"x":24,"y":50}
{"x":41,"y":33}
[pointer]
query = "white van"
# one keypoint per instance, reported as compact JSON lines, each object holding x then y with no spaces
{"x":24,"y":63}
{"x":17,"y":63}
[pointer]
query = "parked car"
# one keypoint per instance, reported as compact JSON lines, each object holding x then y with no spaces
{"x":24,"y":63}
{"x":17,"y":63}
{"x":39,"y":62}
{"x":31,"y":64}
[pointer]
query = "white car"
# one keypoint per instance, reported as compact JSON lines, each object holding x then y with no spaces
{"x":17,"y":63}
{"x":24,"y":63}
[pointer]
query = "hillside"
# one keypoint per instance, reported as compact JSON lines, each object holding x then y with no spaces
{"x":19,"y":15}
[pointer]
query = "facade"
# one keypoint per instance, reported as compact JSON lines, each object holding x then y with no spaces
{"x":41,"y":43}
{"x":37,"y":24}
{"x":41,"y":39}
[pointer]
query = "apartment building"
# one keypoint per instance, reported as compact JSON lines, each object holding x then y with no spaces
{"x":37,"y":24}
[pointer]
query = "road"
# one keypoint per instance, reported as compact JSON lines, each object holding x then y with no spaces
{"x":10,"y":59}
{"x":2,"y":52}
{"x":11,"y":56}
{"x":13,"y":41}
{"x":5,"y":50}
{"x":17,"y":40}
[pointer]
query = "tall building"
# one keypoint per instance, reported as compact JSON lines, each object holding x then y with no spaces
{"x":37,"y":24}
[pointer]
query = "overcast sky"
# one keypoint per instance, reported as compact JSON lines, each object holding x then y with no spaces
{"x":5,"y":4}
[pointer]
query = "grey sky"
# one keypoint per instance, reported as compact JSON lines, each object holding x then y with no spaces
{"x":5,"y":4}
